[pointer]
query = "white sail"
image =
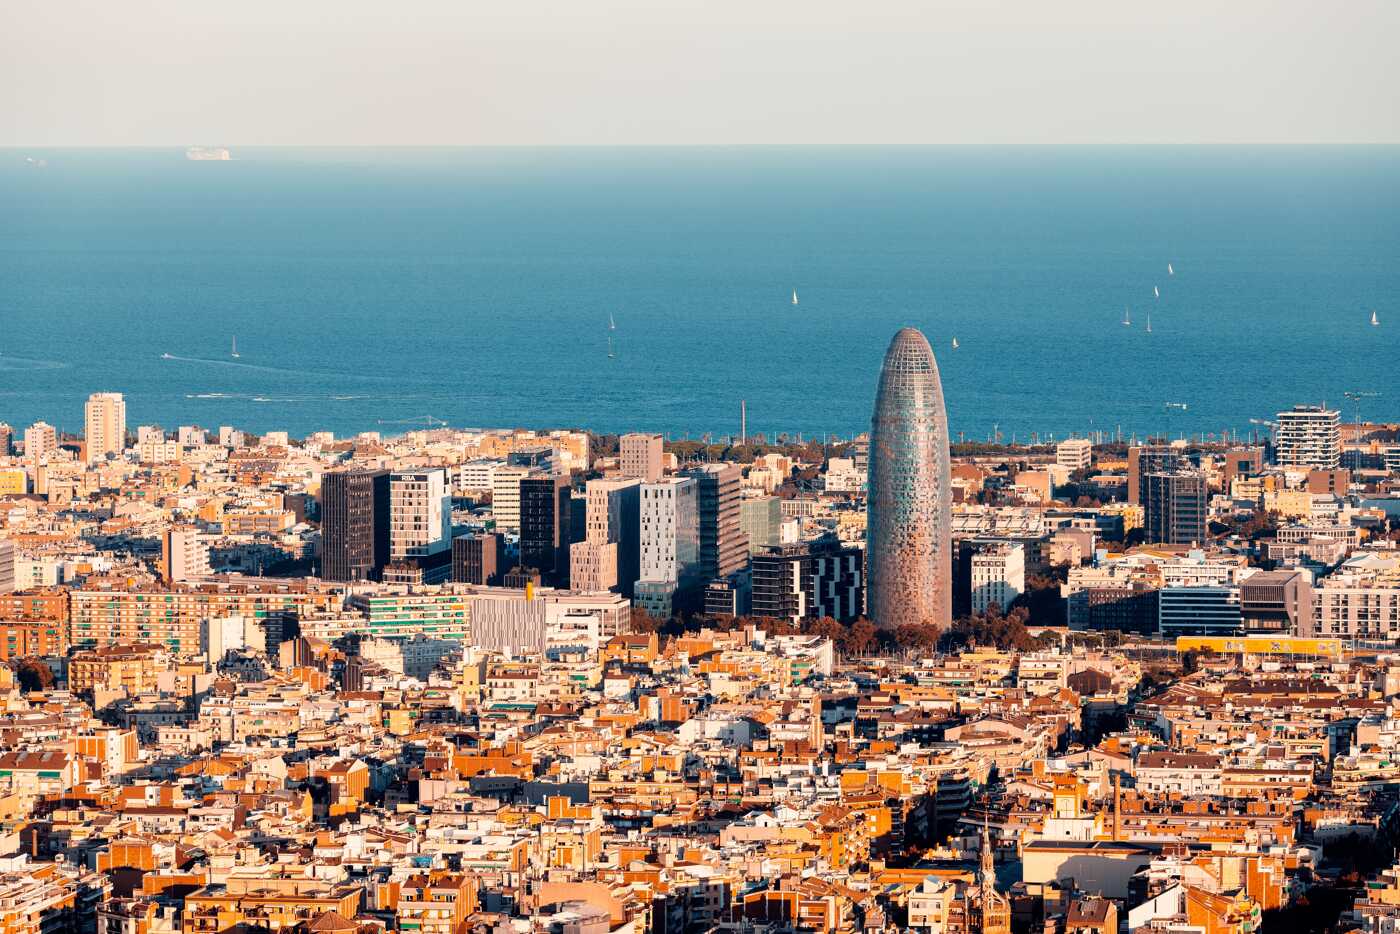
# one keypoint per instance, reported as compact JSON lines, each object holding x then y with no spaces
{"x":955,"y":343}
{"x":794,"y":296}
{"x":1374,"y":320}
{"x":1149,"y":324}
{"x":234,"y":352}
{"x":1155,"y":293}
{"x":612,"y":325}
{"x":1126,"y":320}
{"x":1170,"y":270}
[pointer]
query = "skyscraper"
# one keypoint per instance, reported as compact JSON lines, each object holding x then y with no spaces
{"x":354,"y":524}
{"x":910,"y":503}
{"x":1175,"y":504}
{"x":724,"y":548}
{"x":420,"y":514}
{"x":104,"y":423}
{"x":545,"y":534}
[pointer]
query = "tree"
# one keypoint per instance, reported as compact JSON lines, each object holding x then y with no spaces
{"x":859,"y":638}
{"x":33,"y":675}
{"x":642,"y":621}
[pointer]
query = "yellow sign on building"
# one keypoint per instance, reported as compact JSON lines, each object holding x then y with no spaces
{"x":1259,"y":645}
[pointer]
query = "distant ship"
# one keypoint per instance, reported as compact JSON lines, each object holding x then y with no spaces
{"x":234,"y":353}
{"x":207,"y":154}
{"x":166,"y":356}
{"x":794,"y":296}
{"x":955,"y":343}
{"x":1375,"y":322}
{"x":1126,"y":320}
{"x":612,"y":326}
{"x":1170,"y":270}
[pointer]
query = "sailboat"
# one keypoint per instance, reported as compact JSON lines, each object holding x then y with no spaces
{"x":1149,"y":324}
{"x":1375,"y":322}
{"x":612,"y":326}
{"x":1170,"y":270}
{"x":1155,"y":293}
{"x":794,"y":296}
{"x":1127,"y":322}
{"x":234,"y":353}
{"x":955,"y":343}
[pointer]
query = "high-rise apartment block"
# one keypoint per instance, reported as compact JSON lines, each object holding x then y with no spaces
{"x":1074,"y":454}
{"x":7,"y":440}
{"x":104,"y":420}
{"x":1309,"y":436}
{"x":40,"y":441}
{"x":1146,"y":460}
{"x":998,"y":575}
{"x":505,"y":496}
{"x":641,"y":457}
{"x":354,"y":524}
{"x":184,"y":555}
{"x":809,"y":581}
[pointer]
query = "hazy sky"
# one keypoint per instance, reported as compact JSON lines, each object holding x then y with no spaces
{"x":176,"y":72}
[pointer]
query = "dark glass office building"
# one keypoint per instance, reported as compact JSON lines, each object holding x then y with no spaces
{"x":545,"y":535}
{"x":354,"y":524}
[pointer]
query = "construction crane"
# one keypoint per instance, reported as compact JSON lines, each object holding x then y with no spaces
{"x":1265,"y":423}
{"x":1355,"y":397}
{"x":427,"y":421}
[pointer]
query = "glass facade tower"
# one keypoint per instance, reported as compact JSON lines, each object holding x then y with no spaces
{"x":910,"y":499}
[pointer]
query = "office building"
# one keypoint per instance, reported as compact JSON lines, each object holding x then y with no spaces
{"x":669,"y":544}
{"x":184,"y":555}
{"x":478,"y":559}
{"x":1309,"y":436}
{"x":1175,"y":506}
{"x":723,"y":548}
{"x":40,"y":441}
{"x":505,"y":497}
{"x":641,"y":457}
{"x":104,"y":420}
{"x":808,"y":581}
{"x":420,"y":514}
{"x":1198,"y":611}
{"x":910,"y":503}
{"x":1074,"y":454}
{"x":354,"y":524}
{"x":761,"y":522}
{"x":1276,"y":603}
{"x":546,"y":515}
{"x":730,"y":596}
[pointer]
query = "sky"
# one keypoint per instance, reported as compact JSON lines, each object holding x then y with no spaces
{"x":680,"y":72}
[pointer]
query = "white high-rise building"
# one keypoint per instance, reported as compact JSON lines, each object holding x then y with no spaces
{"x":1074,"y":454}
{"x":505,"y":497}
{"x":420,"y":514}
{"x":998,"y":575}
{"x":104,"y":421}
{"x":1309,"y":436}
{"x":8,"y":583}
{"x":40,"y":441}
{"x":184,"y":555}
{"x":641,"y":456}
{"x":669,"y":530}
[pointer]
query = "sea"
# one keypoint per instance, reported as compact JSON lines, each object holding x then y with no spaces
{"x":385,"y":289}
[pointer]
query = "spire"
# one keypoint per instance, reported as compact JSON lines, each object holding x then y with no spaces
{"x":987,"y":869}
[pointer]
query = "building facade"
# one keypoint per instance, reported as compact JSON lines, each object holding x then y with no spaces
{"x":1309,"y":436}
{"x":104,"y":425}
{"x":809,"y":581}
{"x":910,"y":505}
{"x":354,"y":524}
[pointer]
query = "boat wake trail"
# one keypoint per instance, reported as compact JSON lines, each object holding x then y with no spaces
{"x":10,"y":363}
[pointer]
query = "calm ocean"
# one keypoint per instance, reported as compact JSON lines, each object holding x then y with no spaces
{"x":368,"y":287}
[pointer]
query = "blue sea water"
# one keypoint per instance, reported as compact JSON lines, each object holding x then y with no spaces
{"x":369,"y":287}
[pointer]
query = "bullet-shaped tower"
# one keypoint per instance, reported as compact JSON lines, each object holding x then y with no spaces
{"x":910,"y":499}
